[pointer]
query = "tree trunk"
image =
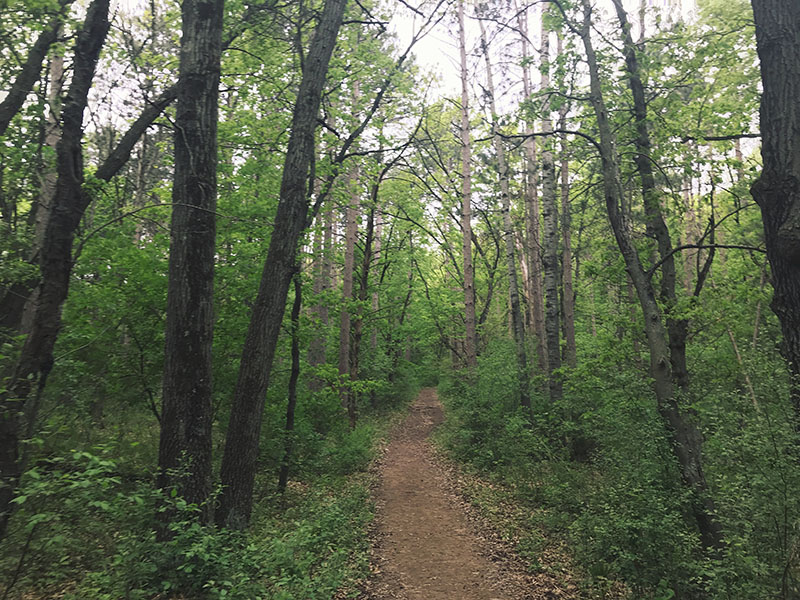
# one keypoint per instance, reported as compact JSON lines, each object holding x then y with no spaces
{"x":777,"y":191}
{"x":283,"y":474}
{"x":29,"y":73}
{"x":567,"y":288}
{"x":19,"y":402}
{"x":532,"y":211}
{"x":685,"y":437}
{"x":241,"y":445}
{"x":552,"y":322}
{"x":317,"y":346}
{"x":471,"y":339}
{"x":346,"y":394}
{"x":677,"y":329}
{"x":517,"y":324}
{"x":184,"y":453}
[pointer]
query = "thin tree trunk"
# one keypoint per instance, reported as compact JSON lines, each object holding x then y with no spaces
{"x":471,"y":339}
{"x":283,"y":474}
{"x":686,"y":438}
{"x":532,"y":223}
{"x":552,"y":277}
{"x":346,"y":394}
{"x":517,"y":324}
{"x":373,"y":339}
{"x":756,"y":322}
{"x":567,"y":289}
{"x":323,"y":242}
{"x":184,"y":454}
{"x":26,"y":383}
{"x":241,"y":445}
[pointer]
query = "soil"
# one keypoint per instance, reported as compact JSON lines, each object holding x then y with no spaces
{"x":426,"y":545}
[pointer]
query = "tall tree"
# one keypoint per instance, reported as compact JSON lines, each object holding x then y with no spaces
{"x":471,"y":338}
{"x":685,"y":436}
{"x":242,"y":441}
{"x":345,"y":318}
{"x":532,"y":221}
{"x":517,"y":324}
{"x":19,"y":401}
{"x":567,"y":286}
{"x":777,"y":190}
{"x":552,"y":276}
{"x":184,"y":458}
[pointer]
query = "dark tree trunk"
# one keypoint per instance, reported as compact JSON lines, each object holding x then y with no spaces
{"x":685,"y":437}
{"x":19,"y":402}
{"x":777,"y":191}
{"x":241,"y":444}
{"x":283,"y":474}
{"x":29,"y":73}
{"x":184,"y":457}
{"x":677,"y":329}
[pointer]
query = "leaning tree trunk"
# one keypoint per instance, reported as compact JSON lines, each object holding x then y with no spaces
{"x":241,"y":445}
{"x":517,"y":324}
{"x":184,"y":454}
{"x":777,"y":191}
{"x":19,"y":401}
{"x":31,"y":68}
{"x":685,"y":436}
{"x":471,"y":339}
{"x":677,"y":328}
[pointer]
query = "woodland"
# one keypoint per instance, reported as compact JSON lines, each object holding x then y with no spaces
{"x":238,"y":236}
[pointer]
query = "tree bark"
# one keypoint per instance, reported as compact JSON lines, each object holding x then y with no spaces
{"x":685,"y":437}
{"x":19,"y":402}
{"x":532,"y":222}
{"x":552,"y":321}
{"x":471,"y":338}
{"x":567,"y":288}
{"x":242,"y":440}
{"x":517,"y":324}
{"x":677,"y":329}
{"x":184,"y":457}
{"x":777,"y":190}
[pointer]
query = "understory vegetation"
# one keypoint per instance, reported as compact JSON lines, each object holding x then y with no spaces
{"x":86,"y":520}
{"x":594,"y":476}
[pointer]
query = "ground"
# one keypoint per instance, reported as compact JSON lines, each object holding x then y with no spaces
{"x":426,"y":544}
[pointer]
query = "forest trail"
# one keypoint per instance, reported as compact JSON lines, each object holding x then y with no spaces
{"x":426,"y":548}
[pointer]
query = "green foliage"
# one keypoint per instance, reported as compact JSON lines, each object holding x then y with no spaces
{"x":92,"y":533}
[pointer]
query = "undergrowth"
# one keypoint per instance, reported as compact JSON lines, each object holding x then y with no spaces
{"x":590,"y":484}
{"x":84,"y":529}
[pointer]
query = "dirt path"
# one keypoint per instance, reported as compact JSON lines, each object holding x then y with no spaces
{"x":426,"y":548}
